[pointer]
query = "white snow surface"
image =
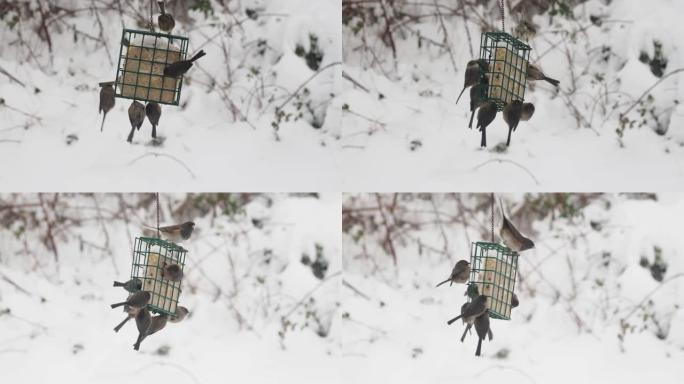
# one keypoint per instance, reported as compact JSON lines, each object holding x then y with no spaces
{"x":551,"y":152}
{"x":565,"y":329}
{"x":207,"y":146}
{"x":61,"y":331}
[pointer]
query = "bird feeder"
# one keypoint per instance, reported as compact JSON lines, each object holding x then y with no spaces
{"x":507,"y":59}
{"x":150,"y":256}
{"x":142,"y":58}
{"x":493,"y":269}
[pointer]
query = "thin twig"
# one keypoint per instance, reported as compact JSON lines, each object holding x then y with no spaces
{"x":536,"y":181}
{"x":284,"y":103}
{"x":649,"y":90}
{"x":157,"y":154}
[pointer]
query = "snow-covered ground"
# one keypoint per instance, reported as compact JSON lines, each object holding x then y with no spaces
{"x":417,"y":138}
{"x":50,"y":140}
{"x":57,"y":327}
{"x":582,"y":278}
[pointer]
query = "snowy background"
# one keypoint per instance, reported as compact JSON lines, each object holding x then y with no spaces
{"x":410,"y":57}
{"x":601,"y":294}
{"x":53,"y":54}
{"x":258,"y":314}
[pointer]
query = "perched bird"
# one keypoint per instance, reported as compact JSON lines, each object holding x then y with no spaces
{"x":482,"y":329}
{"x":136,"y":115}
{"x":514,"y":301}
{"x":181,"y":313}
{"x":473,"y":73}
{"x":485,"y":116}
{"x":173,"y":272}
{"x":534,"y":73}
{"x":459,"y":274}
{"x":132,"y":285}
{"x":477,"y":95}
{"x":135,"y":300}
{"x":157,"y":323}
{"x":106,"y":99}
{"x":468,"y":324}
{"x":143,"y":321}
{"x":511,"y":115}
{"x":177,"y":232}
{"x":512,"y":237}
{"x":131,"y":313}
{"x":525,"y":30}
{"x":180,"y":67}
{"x":165,"y":20}
{"x":474,"y":309}
{"x":527,"y":111}
{"x":153,"y":112}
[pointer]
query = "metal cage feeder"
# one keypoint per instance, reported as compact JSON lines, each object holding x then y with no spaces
{"x":507,"y":59}
{"x":493,"y":269}
{"x":143,"y":55}
{"x":150,"y":256}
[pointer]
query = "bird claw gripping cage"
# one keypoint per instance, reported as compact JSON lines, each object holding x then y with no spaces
{"x":150,"y":256}
{"x":143,"y":55}
{"x":507,"y":59}
{"x":493,"y":270}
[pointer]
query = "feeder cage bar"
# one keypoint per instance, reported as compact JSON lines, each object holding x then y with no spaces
{"x":150,"y":255}
{"x":143,"y":55}
{"x":493,"y":269}
{"x":507,"y":59}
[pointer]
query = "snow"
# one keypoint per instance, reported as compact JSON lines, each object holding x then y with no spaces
{"x":62,"y":330}
{"x":551,"y":152}
{"x":400,"y":335}
{"x":206,"y":144}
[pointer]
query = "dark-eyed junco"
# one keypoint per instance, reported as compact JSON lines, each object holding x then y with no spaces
{"x":138,"y":299}
{"x":512,"y":237}
{"x":474,"y":309}
{"x":177,"y":232}
{"x":181,"y":313}
{"x":534,"y":73}
{"x":106,"y":99}
{"x":475,"y":69}
{"x":485,"y":116}
{"x":136,"y":115}
{"x":132,"y":285}
{"x":153,"y":112}
{"x":478,"y":93}
{"x":165,"y":20}
{"x":482,"y":329}
{"x":459,"y":274}
{"x":143,"y":320}
{"x":511,"y":115}
{"x":157,"y":323}
{"x":527,"y":111}
{"x":173,"y":272}
{"x":180,"y":67}
{"x":131,"y":313}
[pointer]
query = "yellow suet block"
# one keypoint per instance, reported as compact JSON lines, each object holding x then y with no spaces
{"x":165,"y":293}
{"x":508,"y":75}
{"x":143,"y":74}
{"x":496,"y":276}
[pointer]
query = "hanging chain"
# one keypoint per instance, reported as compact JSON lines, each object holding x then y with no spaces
{"x":503,"y":26}
{"x":157,"y":198}
{"x":151,"y":25}
{"x":492,"y":207}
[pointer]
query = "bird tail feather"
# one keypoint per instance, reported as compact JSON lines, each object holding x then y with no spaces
{"x":198,"y":55}
{"x":553,"y":82}
{"x":121,"y":324}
